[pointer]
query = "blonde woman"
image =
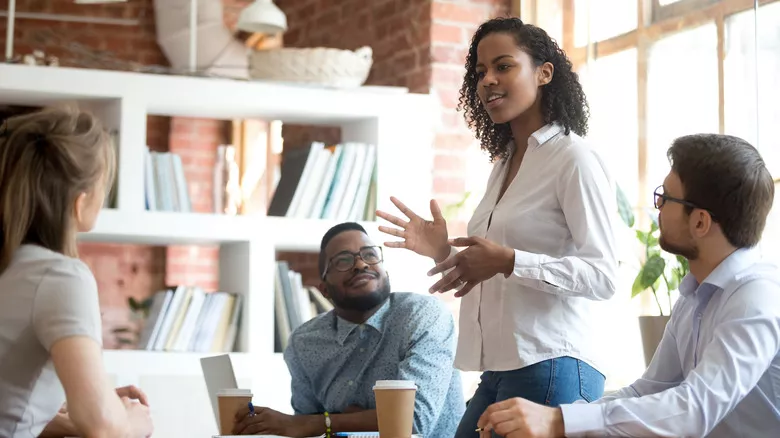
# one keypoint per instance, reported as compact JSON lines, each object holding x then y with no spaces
{"x":54,"y":169}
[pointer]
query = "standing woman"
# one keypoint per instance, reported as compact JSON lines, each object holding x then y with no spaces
{"x":541,"y":248}
{"x":54,"y":169}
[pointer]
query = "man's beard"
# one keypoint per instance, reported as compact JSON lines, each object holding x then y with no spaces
{"x":690,"y":252}
{"x":361,"y":303}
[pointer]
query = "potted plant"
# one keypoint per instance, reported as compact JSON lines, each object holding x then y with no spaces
{"x":659,"y":272}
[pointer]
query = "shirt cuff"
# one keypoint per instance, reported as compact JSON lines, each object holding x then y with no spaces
{"x":583,"y":420}
{"x":526,"y":264}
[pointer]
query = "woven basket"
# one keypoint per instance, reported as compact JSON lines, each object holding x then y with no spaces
{"x":320,"y":65}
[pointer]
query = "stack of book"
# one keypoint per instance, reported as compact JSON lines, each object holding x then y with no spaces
{"x":334,"y":182}
{"x":294,"y":303}
{"x":165,"y":184}
{"x":186,"y":318}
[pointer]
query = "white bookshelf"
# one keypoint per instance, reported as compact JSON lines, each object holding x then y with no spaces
{"x":401,"y":124}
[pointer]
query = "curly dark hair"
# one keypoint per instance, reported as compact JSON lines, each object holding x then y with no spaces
{"x":563,"y":99}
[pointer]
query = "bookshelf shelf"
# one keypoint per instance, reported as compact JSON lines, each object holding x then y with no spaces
{"x":305,"y":234}
{"x":399,"y":124}
{"x":169,"y":228}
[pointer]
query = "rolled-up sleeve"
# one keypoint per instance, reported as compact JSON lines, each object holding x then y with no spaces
{"x":588,"y":201}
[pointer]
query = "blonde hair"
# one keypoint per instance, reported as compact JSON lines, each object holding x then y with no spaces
{"x":47,"y":159}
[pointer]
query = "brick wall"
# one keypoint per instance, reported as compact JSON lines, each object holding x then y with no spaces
{"x":124,"y":271}
{"x":419,"y":44}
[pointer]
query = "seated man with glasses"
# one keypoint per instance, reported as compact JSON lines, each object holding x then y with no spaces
{"x":716,"y":372}
{"x":371,"y":334}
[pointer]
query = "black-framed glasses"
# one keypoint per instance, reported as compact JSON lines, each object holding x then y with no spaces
{"x":345,"y":260}
{"x":660,"y":198}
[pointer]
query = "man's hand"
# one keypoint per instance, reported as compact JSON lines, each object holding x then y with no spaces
{"x":520,"y":418}
{"x":266,"y":422}
{"x":134,"y":393}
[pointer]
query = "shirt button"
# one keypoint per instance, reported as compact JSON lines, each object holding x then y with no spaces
{"x":362,"y":350}
{"x":351,"y":382}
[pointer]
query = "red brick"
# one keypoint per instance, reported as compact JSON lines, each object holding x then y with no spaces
{"x":447,"y":76}
{"x":449,"y":55}
{"x":453,"y":142}
{"x":446,"y":33}
{"x":465,"y":12}
{"x":448,"y":185}
{"x":449,"y":162}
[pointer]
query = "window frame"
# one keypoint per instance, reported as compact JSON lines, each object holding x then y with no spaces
{"x":654,"y":22}
{"x":677,"y":9}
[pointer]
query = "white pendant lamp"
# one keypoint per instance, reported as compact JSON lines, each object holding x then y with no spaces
{"x":262,"y":16}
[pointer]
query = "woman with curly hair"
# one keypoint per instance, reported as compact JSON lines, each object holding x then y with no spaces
{"x":541,"y":249}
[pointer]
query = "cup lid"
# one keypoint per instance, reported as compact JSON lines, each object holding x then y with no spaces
{"x":234,"y":392}
{"x":395,"y":384}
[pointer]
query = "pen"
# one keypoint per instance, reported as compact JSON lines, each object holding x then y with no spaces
{"x":251,"y":409}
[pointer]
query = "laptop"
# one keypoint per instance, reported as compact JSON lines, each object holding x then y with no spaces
{"x":218,"y":373}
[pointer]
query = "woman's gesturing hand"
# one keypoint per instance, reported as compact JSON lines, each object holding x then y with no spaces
{"x":427,"y":238}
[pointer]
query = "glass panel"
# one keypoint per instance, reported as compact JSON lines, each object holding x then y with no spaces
{"x":611,"y":88}
{"x":745,"y":117}
{"x":751,"y":99}
{"x":598,"y":20}
{"x":667,"y":2}
{"x":682,"y":94}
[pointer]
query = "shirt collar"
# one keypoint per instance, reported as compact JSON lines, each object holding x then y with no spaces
{"x":544,"y":134}
{"x":723,"y":273}
{"x":377,"y":321}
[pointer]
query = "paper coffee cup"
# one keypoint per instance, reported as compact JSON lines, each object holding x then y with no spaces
{"x":395,"y":407}
{"x":230,"y":401}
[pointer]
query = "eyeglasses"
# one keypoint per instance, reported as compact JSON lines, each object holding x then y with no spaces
{"x":660,"y":199}
{"x":345,"y":260}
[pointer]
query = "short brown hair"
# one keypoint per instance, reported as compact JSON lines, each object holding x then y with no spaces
{"x":726,"y":176}
{"x":48,"y":158}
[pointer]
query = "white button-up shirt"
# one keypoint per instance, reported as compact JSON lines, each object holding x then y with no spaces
{"x":716,"y":372}
{"x":557,"y":214}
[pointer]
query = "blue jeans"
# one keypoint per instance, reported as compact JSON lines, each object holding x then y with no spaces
{"x":551,"y":382}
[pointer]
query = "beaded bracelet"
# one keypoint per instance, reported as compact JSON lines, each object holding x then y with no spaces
{"x":327,"y":425}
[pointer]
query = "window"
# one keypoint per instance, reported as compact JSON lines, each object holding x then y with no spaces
{"x":598,"y":20}
{"x":610,"y":85}
{"x":680,"y":67}
{"x":750,"y":114}
{"x":682,"y":94}
{"x":670,"y":9}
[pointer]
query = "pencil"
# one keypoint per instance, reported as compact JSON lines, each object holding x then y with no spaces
{"x":479,"y":429}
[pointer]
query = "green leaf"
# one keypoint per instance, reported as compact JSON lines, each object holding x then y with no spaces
{"x":121,"y":330}
{"x":147,"y":303}
{"x":637,"y":288}
{"x":649,"y":274}
{"x":624,"y":208}
{"x":683,"y":264}
{"x":133,"y":303}
{"x":654,"y":223}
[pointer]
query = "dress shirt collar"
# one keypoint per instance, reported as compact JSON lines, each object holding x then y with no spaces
{"x":723,"y":273}
{"x":544,"y":134}
{"x":344,"y":328}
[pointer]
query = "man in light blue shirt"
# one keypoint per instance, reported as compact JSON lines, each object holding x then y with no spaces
{"x":372,"y":334}
{"x":716,"y":371}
